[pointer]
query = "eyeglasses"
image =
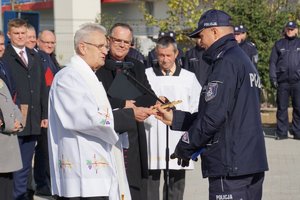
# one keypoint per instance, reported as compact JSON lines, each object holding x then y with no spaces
{"x":119,"y":41}
{"x":99,"y":46}
{"x":46,"y":42}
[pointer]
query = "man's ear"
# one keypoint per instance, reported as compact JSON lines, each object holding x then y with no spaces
{"x":81,"y":48}
{"x":176,"y":53}
{"x":8,"y":34}
{"x":215,"y":32}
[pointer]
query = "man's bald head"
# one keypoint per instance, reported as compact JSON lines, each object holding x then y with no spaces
{"x":46,"y":41}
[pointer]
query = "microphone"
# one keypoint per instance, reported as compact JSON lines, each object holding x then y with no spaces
{"x":119,"y":64}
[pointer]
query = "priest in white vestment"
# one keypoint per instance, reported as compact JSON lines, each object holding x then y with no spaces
{"x":168,"y":79}
{"x":85,"y":155}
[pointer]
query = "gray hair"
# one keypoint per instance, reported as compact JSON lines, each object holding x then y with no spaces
{"x":84,"y":32}
{"x":165,"y":42}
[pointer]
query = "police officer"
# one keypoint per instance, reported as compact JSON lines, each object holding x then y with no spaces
{"x":240,"y":34}
{"x":193,"y":62}
{"x":152,"y":58}
{"x":136,"y":54}
{"x":285,"y":77}
{"x":227,"y":126}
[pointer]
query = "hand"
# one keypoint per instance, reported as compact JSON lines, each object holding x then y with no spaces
{"x":1,"y":123}
{"x":274,"y":84}
{"x":17,"y":126}
{"x":141,"y":113}
{"x":130,"y":104}
{"x":44,"y":123}
{"x":180,"y":161}
{"x":164,"y":115}
{"x":164,"y":99}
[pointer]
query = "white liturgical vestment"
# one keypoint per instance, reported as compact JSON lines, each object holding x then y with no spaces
{"x":184,"y":87}
{"x":81,"y":137}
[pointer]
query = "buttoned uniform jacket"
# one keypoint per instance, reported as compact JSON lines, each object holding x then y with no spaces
{"x":30,"y":87}
{"x":10,"y":157}
{"x":137,"y":166}
{"x":285,"y":61}
{"x":228,"y":123}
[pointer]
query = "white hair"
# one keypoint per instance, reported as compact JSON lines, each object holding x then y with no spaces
{"x":84,"y":32}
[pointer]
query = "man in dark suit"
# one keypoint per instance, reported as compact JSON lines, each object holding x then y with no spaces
{"x":27,"y":72}
{"x":136,"y":155}
{"x":46,"y":45}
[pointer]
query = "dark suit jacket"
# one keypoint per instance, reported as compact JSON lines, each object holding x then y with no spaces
{"x":30,"y":86}
{"x":50,"y":66}
{"x":137,"y":138}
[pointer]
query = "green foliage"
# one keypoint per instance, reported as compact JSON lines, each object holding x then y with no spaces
{"x":264,"y":20}
{"x":182,"y":16}
{"x":107,"y":20}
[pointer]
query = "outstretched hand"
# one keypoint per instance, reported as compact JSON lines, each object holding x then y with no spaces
{"x":164,"y":115}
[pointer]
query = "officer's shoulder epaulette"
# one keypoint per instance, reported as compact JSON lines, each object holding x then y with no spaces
{"x":251,"y":44}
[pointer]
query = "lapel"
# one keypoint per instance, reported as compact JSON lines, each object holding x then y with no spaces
{"x":14,"y":54}
{"x":30,"y":55}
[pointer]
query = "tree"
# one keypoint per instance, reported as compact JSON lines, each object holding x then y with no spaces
{"x":182,"y":16}
{"x":264,"y":20}
{"x":107,"y":20}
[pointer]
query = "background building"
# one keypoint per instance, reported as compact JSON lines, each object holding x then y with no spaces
{"x":65,"y":16}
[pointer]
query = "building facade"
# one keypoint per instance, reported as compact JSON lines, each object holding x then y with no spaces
{"x":65,"y":16}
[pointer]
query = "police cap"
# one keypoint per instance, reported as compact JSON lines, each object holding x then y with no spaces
{"x":291,"y":25}
{"x":240,"y":29}
{"x":211,"y":18}
{"x":171,"y":34}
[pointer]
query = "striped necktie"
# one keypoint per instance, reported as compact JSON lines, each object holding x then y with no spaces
{"x":23,"y":57}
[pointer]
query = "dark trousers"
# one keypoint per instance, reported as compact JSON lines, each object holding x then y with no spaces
{"x":248,"y":187}
{"x":82,"y":198}
{"x":6,"y":186}
{"x":27,"y":144}
{"x":41,"y":169}
{"x":284,"y":91}
{"x":176,"y":184}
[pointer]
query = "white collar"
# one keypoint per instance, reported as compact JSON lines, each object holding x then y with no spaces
{"x":18,"y":50}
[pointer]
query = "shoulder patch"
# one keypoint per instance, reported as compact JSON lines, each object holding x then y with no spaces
{"x":185,"y":138}
{"x":211,"y":91}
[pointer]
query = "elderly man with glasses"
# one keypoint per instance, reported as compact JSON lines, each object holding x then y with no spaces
{"x":84,"y":160}
{"x":46,"y":45}
{"x":132,"y":105}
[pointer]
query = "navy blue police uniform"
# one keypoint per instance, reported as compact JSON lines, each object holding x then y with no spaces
{"x":285,"y":76}
{"x":193,"y":62}
{"x":248,"y":46}
{"x":228,"y":123}
{"x":134,"y":53}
